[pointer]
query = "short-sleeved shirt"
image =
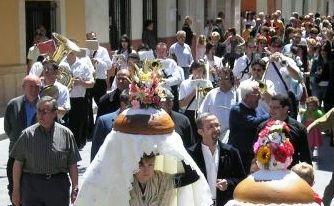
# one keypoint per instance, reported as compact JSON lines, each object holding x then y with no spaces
{"x":183,"y":54}
{"x":83,"y":72}
{"x":43,"y":152}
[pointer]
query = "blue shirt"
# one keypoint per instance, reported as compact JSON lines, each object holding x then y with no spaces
{"x":30,"y":109}
{"x":182,"y":53}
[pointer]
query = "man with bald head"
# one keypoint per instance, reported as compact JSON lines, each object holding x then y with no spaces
{"x":20,"y":114}
{"x":110,"y":102}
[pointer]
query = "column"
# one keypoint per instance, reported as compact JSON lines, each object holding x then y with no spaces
{"x":97,"y":18}
{"x":312,"y":6}
{"x":286,"y":9}
{"x":237,"y":13}
{"x":75,"y":20}
{"x":12,"y":50}
{"x":331,"y":7}
{"x":299,"y":7}
{"x":261,"y":6}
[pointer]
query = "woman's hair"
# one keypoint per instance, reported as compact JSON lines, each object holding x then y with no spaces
{"x":312,"y":99}
{"x":201,"y":39}
{"x":232,"y":31}
{"x":146,"y":157}
{"x":197,"y":65}
{"x":147,"y":23}
{"x":127,"y":39}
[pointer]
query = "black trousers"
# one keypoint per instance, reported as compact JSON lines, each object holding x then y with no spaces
{"x":78,"y":120}
{"x":9,"y":170}
{"x":99,"y":89}
{"x":176,"y":103}
{"x":42,"y":190}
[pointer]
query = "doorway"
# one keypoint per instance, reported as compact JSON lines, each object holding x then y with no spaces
{"x":39,"y":13}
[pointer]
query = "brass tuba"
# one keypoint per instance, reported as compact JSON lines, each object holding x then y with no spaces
{"x":64,"y":47}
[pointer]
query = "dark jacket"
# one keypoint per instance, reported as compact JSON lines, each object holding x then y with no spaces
{"x":15,"y":119}
{"x":109,"y":103}
{"x":230,"y":168}
{"x":243,"y":131}
{"x":298,"y":138}
{"x":183,"y":128}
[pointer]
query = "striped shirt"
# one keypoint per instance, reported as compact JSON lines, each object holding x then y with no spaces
{"x":43,"y":152}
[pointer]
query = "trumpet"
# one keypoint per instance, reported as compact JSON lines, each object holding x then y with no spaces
{"x":202,"y":87}
{"x":263,"y":88}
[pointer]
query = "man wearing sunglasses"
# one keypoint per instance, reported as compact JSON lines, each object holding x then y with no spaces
{"x":241,"y":69}
{"x":282,"y":70}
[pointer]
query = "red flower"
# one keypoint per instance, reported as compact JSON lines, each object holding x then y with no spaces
{"x":280,"y":154}
{"x":289,"y":147}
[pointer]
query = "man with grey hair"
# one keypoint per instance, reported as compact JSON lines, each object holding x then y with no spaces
{"x":44,"y":155}
{"x":182,"y":53}
{"x":244,"y":121}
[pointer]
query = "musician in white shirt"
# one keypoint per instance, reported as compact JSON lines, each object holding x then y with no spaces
{"x":242,"y":65}
{"x":102,"y":63}
{"x":187,"y":93}
{"x":82,"y":79}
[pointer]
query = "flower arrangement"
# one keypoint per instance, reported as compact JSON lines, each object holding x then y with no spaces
{"x":144,"y":89}
{"x":273,"y":149}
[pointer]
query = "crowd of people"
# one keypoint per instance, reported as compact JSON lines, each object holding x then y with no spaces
{"x":221,"y":89}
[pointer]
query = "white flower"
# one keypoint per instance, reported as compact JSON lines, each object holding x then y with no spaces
{"x":275,"y":137}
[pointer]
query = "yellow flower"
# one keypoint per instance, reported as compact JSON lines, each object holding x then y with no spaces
{"x":263,"y":155}
{"x":144,"y":77}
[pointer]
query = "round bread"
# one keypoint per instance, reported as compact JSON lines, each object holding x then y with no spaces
{"x":144,"y":121}
{"x":286,"y":188}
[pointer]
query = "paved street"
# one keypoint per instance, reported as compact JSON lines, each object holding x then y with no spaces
{"x":325,"y":165}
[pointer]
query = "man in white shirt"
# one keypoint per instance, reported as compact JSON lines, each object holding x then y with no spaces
{"x":187,"y":94}
{"x":171,"y":71}
{"x":102,"y":63}
{"x":219,"y":162}
{"x":242,"y":65}
{"x":182,"y":52}
{"x":50,"y":78}
{"x":282,"y":70}
{"x":82,"y":79}
{"x":220,"y":100}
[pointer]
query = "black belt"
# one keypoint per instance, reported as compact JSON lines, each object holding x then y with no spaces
{"x":47,"y":176}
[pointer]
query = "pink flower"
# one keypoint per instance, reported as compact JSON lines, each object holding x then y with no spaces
{"x":256,"y":146}
{"x":135,"y":104}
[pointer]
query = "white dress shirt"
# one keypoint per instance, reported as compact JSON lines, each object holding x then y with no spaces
{"x":185,"y":89}
{"x":219,"y":103}
{"x":211,"y":166}
{"x":36,"y":69}
{"x":171,"y":72}
{"x":240,"y":65}
{"x":63,"y":99}
{"x":272,"y":75}
{"x":103,"y":62}
{"x":83,"y":72}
